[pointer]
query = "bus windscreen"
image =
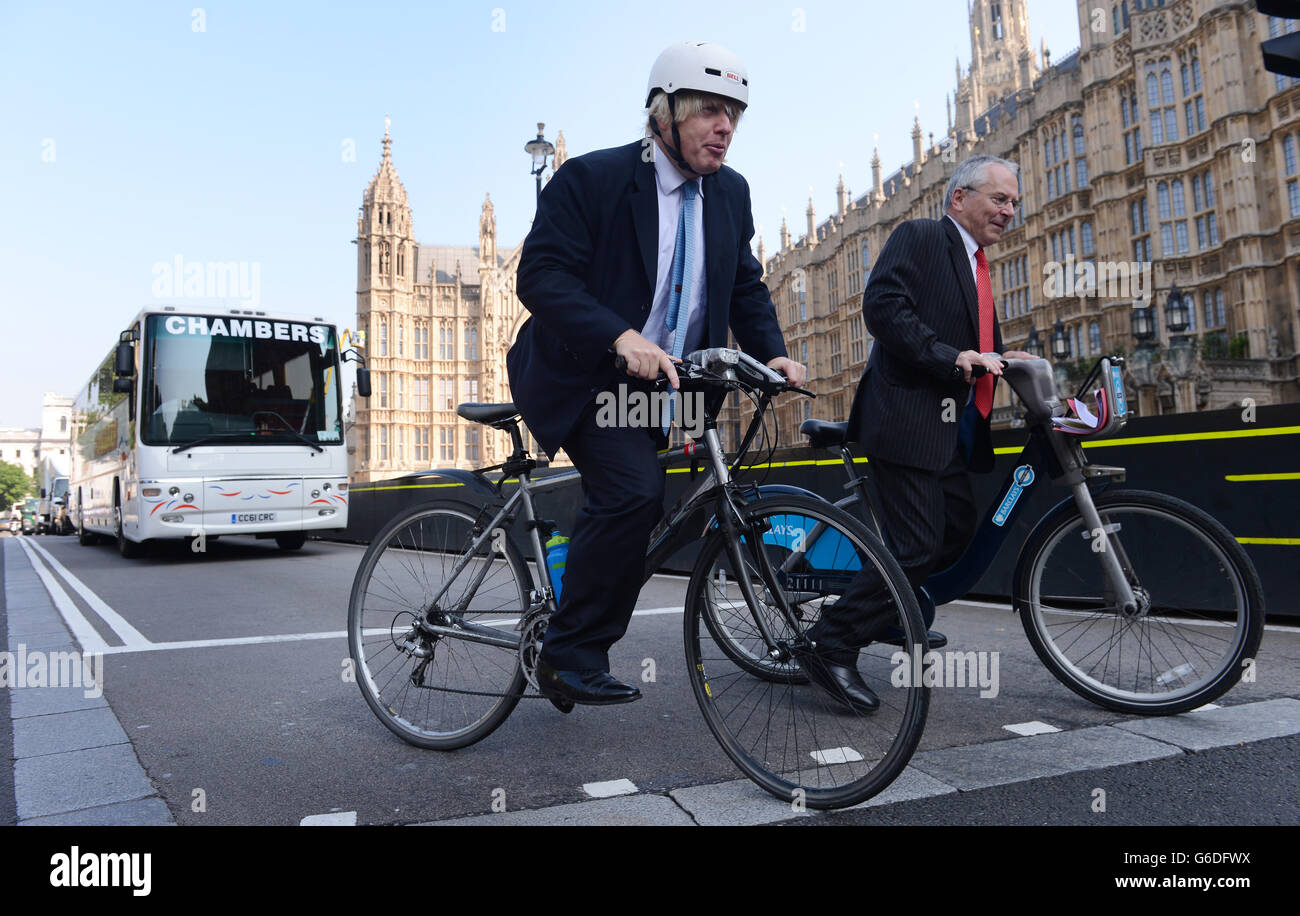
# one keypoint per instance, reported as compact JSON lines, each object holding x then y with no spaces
{"x":258,"y":381}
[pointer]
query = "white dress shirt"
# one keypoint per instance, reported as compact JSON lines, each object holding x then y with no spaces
{"x":668,"y":182}
{"x":971,"y":247}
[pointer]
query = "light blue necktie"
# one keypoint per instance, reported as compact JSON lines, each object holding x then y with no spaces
{"x":679,"y":297}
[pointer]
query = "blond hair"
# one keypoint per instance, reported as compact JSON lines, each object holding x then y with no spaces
{"x":687,"y":102}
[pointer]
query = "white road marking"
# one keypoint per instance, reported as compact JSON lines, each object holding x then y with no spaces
{"x":85,"y":634}
{"x":610,"y":789}
{"x":147,"y":646}
{"x":335,"y":819}
{"x":1207,"y":707}
{"x":128,"y":634}
{"x":836,"y":755}
{"x":1031,"y":728}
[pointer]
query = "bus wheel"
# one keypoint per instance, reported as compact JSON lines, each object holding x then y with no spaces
{"x":125,"y":546}
{"x":291,"y":541}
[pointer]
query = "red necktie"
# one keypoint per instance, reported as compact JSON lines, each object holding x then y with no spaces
{"x":984,"y":288}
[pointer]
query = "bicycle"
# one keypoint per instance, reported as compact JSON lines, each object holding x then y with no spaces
{"x":1122,"y":627}
{"x":445,"y":621}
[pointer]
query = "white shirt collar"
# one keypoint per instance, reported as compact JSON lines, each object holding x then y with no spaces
{"x":969,"y":240}
{"x":670,"y":179}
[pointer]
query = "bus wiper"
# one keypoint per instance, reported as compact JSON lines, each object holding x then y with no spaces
{"x":250,"y":434}
{"x":299,"y":436}
{"x":212,"y":437}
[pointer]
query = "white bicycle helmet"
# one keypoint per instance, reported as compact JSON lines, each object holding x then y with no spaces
{"x":702,"y":66}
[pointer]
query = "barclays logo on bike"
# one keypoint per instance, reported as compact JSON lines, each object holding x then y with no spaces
{"x":1021,"y":479}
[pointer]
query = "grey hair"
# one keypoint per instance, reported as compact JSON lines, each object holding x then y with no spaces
{"x":973,"y":172}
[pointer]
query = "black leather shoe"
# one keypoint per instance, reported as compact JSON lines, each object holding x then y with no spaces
{"x":591,"y":687}
{"x":894,"y":637}
{"x":841,"y":682}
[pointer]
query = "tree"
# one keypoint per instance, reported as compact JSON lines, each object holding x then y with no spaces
{"x":14,"y":485}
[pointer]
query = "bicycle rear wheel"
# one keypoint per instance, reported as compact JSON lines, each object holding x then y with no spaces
{"x":439,"y":688}
{"x":1201,"y":607}
{"x":787,"y":735}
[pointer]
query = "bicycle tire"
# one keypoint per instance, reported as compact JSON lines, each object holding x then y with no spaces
{"x":827,"y":757}
{"x":1197,"y":581}
{"x":466,"y":689}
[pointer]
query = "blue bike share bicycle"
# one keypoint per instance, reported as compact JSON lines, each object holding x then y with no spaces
{"x":1128,"y":627}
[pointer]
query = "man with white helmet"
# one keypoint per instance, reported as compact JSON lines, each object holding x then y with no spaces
{"x":640,"y":251}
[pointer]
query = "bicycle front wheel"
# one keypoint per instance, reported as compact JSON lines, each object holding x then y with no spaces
{"x":786,"y":734}
{"x":431,"y":626}
{"x":1200,"y":614}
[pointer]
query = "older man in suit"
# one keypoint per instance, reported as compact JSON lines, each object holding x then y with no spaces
{"x":929,"y":306}
{"x":641,"y":251}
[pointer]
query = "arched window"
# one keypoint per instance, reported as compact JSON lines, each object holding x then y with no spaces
{"x":1162,"y":199}
{"x":1094,"y":337}
{"x":383,"y":337}
{"x":1180,"y":202}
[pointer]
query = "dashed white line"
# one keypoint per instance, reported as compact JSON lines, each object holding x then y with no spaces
{"x":1031,"y":728}
{"x":333,"y":819}
{"x":610,"y":788}
{"x":836,"y":755}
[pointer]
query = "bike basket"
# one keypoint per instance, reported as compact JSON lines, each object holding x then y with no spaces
{"x":1100,"y":408}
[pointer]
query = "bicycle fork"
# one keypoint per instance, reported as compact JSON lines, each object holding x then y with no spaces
{"x":1114,"y":561}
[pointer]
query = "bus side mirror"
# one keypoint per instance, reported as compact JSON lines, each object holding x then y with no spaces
{"x":363,"y":382}
{"x":124,"y":365}
{"x":121,"y":386}
{"x":43,"y":493}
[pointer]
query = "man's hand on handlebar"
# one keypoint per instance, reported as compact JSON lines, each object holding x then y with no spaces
{"x":1019,"y":354}
{"x":795,"y":373}
{"x":969,"y":359}
{"x":644,"y":359}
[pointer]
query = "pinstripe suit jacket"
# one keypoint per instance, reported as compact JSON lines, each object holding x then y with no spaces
{"x":921,"y":307}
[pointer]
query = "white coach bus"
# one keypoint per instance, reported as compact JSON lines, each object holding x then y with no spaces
{"x":206,"y":422}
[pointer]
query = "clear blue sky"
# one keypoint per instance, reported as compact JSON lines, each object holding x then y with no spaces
{"x":227,"y":144}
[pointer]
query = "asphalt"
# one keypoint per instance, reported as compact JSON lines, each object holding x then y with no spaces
{"x":224,"y":675}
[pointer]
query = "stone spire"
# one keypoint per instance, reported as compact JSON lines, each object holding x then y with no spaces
{"x":877,"y":192}
{"x":918,"y":155}
{"x":785,"y":235}
{"x":487,"y":234}
{"x":561,"y":153}
{"x":812,"y":224}
{"x":841,"y":197}
{"x":762,"y":255}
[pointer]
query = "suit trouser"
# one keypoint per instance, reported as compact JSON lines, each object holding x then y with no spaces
{"x":928,"y":519}
{"x":623,"y":495}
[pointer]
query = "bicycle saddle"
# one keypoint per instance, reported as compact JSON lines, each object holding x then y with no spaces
{"x":823,"y":433}
{"x":491,"y":414}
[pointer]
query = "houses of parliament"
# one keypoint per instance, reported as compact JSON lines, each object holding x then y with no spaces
{"x":1159,"y":149}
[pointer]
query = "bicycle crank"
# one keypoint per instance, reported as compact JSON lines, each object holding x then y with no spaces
{"x":532,"y":629}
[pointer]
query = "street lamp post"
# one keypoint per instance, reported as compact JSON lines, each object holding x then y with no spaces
{"x":1060,"y":343}
{"x":541,"y":150}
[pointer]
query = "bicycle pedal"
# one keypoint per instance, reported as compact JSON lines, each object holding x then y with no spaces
{"x":563,"y":704}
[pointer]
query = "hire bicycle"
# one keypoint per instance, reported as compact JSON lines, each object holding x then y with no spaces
{"x":447,"y":616}
{"x":1136,"y":601}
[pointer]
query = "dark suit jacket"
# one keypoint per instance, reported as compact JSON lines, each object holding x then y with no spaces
{"x":921,"y":306}
{"x":587,"y":274}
